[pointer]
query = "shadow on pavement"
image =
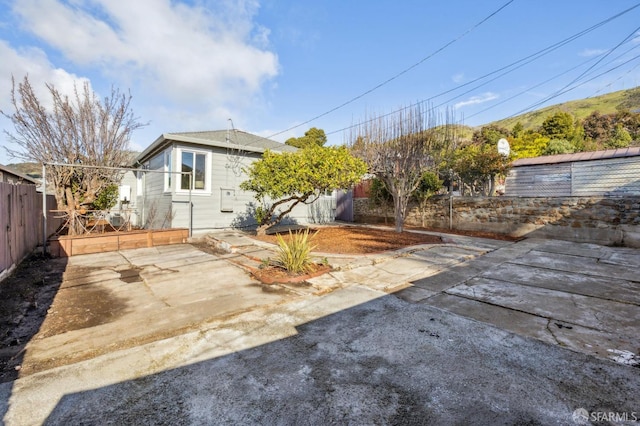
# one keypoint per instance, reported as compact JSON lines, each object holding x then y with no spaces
{"x":385,"y":361}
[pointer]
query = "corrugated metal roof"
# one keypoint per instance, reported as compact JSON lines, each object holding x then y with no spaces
{"x":580,"y":156}
{"x":233,"y":139}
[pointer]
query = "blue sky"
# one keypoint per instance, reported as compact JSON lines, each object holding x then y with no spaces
{"x":271,"y":65}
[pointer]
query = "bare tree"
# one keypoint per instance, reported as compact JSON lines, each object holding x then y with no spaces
{"x":78,"y":130}
{"x":399,"y":148}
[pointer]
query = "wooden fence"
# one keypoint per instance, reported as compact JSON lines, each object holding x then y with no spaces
{"x":21,"y":223}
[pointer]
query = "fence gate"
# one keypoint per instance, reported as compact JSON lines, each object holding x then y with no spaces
{"x":344,"y":205}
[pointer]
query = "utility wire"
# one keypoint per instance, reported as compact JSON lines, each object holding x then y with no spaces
{"x":575,"y":80}
{"x":610,"y":83}
{"x":389,"y":80}
{"x":598,"y":75}
{"x":524,"y":61}
{"x":545,"y":82}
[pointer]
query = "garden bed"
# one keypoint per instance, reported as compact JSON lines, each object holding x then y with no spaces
{"x":72,"y":245}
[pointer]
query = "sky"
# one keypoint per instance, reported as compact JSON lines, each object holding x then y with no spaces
{"x":278,"y":67}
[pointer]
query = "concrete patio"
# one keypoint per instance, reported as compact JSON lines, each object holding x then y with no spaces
{"x":550,"y":327}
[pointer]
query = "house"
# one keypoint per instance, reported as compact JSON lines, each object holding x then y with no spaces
{"x":161,"y":194}
{"x":612,"y":172}
{"x":11,"y":176}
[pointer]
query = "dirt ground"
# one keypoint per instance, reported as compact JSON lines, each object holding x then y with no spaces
{"x":361,"y":240}
{"x":30,"y":303}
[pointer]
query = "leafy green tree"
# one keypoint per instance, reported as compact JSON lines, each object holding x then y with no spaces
{"x":559,"y":146}
{"x":478,"y":166}
{"x":560,"y":125}
{"x":106,"y":198}
{"x":529,"y":144}
{"x":620,"y":138}
{"x":517,"y":130}
{"x":313,"y":136}
{"x":630,"y":121}
{"x":490,"y":134}
{"x":281,"y":181}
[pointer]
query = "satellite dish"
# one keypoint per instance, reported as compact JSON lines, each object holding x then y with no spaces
{"x":503,"y":147}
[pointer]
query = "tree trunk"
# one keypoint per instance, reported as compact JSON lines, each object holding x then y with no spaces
{"x":262,"y":229}
{"x":399,"y":213}
{"x":492,"y":186}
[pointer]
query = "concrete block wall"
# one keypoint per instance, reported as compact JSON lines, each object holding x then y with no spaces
{"x":607,"y":221}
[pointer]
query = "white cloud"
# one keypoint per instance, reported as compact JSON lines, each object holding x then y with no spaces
{"x":587,"y":53}
{"x":32,"y":62}
{"x":190,"y":55}
{"x":474,"y":100}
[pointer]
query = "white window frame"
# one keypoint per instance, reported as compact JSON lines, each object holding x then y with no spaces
{"x":207,"y":172}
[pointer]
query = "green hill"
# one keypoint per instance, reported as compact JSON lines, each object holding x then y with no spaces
{"x":605,"y":104}
{"x":33,"y":170}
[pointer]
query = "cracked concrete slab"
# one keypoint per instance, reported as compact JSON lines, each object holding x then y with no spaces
{"x":601,"y":287}
{"x":479,"y":335}
{"x":356,"y":356}
{"x":578,"y":264}
{"x":591,"y":312}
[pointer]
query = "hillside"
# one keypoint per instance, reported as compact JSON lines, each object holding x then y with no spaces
{"x":581,"y":108}
{"x":33,"y":170}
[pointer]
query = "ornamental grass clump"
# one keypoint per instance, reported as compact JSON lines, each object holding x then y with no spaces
{"x":294,"y":254}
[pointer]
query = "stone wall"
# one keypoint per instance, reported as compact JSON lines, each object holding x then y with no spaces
{"x":608,"y":221}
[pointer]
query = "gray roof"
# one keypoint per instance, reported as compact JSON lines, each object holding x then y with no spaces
{"x":218,"y":138}
{"x":632,"y":151}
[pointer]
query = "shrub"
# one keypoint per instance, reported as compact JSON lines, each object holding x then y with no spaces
{"x":294,"y":254}
{"x":107,"y":198}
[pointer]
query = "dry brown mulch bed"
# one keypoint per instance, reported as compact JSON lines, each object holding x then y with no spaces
{"x":363,"y":240}
{"x":359,"y":240}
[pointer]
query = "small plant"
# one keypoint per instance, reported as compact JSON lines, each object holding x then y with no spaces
{"x":294,"y":254}
{"x":264,"y":263}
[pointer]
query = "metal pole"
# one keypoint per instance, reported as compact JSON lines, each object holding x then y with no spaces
{"x":44,"y":209}
{"x":190,"y":206}
{"x":451,"y":210}
{"x":450,"y":199}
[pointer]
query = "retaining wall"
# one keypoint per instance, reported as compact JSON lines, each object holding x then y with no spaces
{"x":599,"y":220}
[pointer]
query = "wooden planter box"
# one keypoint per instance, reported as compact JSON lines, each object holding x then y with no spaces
{"x":72,"y":245}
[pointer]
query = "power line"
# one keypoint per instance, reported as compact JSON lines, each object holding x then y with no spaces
{"x":389,"y":80}
{"x":563,"y":89}
{"x":545,"y":82}
{"x":520,"y":63}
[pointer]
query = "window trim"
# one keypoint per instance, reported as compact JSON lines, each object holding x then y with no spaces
{"x":207,"y":171}
{"x":168,"y":167}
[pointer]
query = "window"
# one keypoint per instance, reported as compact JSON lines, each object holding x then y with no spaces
{"x":167,"y":169}
{"x":196,"y":163}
